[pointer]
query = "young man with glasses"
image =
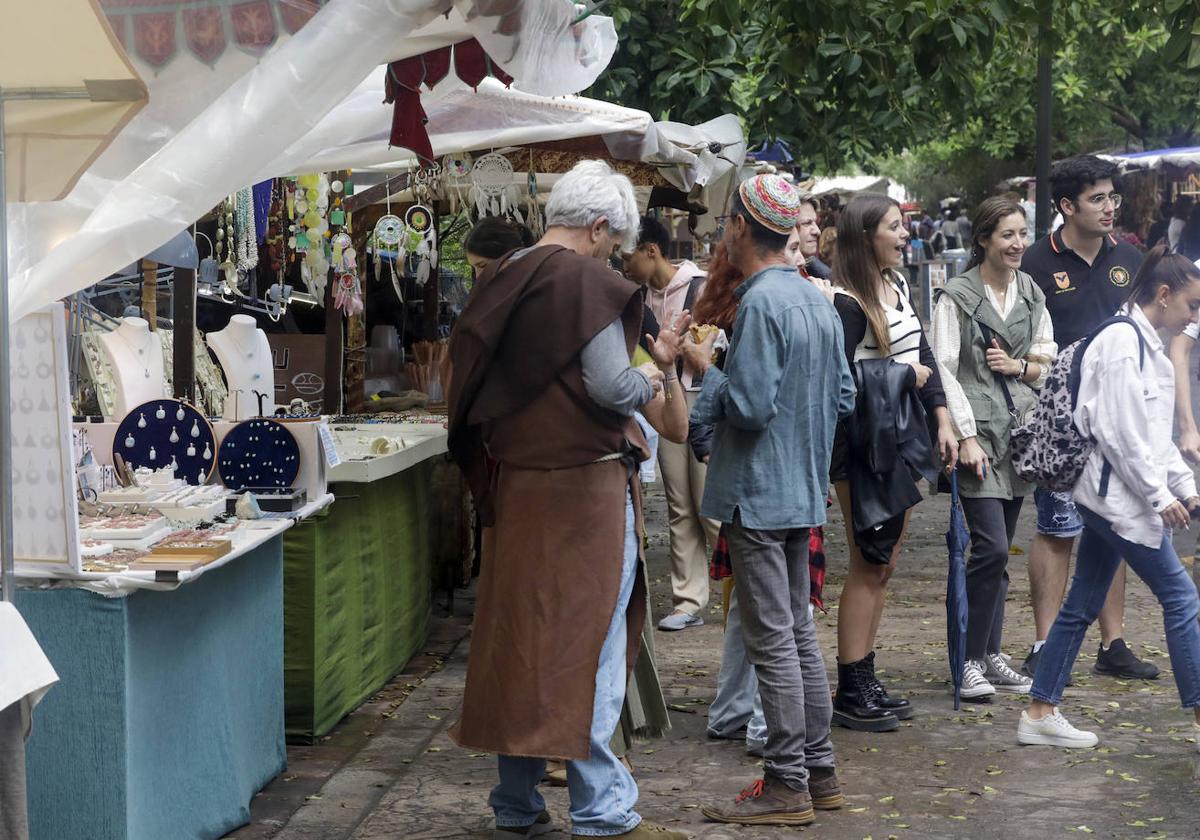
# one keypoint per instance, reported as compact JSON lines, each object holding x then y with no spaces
{"x":1085,"y":272}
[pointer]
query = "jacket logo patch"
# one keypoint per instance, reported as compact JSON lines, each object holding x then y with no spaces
{"x":1063,"y":280}
{"x":1119,"y":275}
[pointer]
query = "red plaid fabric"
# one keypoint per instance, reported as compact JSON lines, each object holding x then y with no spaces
{"x":721,"y":565}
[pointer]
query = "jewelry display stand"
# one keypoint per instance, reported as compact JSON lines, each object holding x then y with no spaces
{"x":245,"y":356}
{"x":135,"y":361}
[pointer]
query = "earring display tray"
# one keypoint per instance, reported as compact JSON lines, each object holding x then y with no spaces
{"x":260,"y":454}
{"x":163,"y":432}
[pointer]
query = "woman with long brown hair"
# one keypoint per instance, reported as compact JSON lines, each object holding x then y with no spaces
{"x":880,"y":322}
{"x":994,"y":342}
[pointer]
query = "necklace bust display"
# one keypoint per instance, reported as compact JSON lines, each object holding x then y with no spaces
{"x":245,"y":356}
{"x":135,"y":357}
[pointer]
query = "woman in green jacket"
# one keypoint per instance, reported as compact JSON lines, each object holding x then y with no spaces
{"x":993,"y":342}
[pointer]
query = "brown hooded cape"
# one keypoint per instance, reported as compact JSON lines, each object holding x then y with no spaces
{"x":528,"y":437}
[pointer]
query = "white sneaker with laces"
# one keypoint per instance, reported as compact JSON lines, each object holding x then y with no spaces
{"x":1002,"y":677}
{"x":1053,"y":731}
{"x":975,"y":685}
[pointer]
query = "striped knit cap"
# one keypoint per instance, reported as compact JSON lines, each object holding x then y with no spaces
{"x":773,"y":202}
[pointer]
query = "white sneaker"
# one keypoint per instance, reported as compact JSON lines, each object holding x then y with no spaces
{"x":1053,"y":731}
{"x":975,"y":685}
{"x":1003,"y":677}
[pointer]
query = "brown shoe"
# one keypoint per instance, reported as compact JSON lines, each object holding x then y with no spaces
{"x":824,"y":788}
{"x":644,"y":831}
{"x":766,"y":802}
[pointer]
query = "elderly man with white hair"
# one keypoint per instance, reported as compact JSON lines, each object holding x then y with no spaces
{"x":541,"y":422}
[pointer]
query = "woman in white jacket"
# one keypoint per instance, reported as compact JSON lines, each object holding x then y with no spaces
{"x":1134,"y":490}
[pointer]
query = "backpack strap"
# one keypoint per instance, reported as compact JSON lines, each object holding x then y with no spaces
{"x":1076,"y":377}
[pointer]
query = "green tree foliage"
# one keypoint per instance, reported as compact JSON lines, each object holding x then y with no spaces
{"x":953,"y":81}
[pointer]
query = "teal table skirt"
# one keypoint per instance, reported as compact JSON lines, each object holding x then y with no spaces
{"x":357,"y":597}
{"x":169,"y":714}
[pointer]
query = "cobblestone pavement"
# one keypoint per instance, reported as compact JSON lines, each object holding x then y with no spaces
{"x":391,"y":772}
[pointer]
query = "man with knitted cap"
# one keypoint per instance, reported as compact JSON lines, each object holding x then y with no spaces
{"x":774,"y":407}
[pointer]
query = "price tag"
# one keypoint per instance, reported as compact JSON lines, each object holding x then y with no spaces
{"x":332,"y":459}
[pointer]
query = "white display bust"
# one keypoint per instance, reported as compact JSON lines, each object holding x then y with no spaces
{"x":135,"y":358}
{"x":245,"y":356}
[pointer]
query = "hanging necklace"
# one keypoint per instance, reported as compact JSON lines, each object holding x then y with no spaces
{"x":249,"y":354}
{"x":141,"y":351}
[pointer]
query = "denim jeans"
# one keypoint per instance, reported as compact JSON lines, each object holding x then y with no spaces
{"x":603,"y":793}
{"x":1057,"y":515}
{"x":1100,"y":553}
{"x":771,"y":571}
{"x":737,"y":703}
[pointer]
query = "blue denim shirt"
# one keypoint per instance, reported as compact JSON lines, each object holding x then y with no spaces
{"x":776,"y":405}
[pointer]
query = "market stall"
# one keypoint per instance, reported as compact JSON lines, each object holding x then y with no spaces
{"x":149,"y":536}
{"x":358,"y":575}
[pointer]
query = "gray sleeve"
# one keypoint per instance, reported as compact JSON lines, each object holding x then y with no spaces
{"x":607,"y":376}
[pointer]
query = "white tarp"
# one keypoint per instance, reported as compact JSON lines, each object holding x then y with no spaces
{"x":355,"y":134}
{"x":850,"y":184}
{"x":1156,"y":159}
{"x":211,"y":130}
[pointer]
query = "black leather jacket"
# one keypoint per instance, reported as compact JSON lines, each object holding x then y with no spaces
{"x":889,"y":450}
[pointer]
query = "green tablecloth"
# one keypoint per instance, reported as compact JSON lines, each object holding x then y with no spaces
{"x":356,"y":596}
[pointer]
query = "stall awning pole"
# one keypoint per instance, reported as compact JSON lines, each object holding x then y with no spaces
{"x":6,"y":485}
{"x":7,"y":592}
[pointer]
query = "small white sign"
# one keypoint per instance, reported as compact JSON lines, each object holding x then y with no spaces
{"x":937,"y":276}
{"x":332,"y":459}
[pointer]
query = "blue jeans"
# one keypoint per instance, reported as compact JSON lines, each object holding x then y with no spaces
{"x":1057,"y":515}
{"x":738,"y":702}
{"x":1100,"y":553}
{"x":603,"y":793}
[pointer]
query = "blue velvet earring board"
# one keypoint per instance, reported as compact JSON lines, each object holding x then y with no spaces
{"x":259,"y":453}
{"x":159,"y":431}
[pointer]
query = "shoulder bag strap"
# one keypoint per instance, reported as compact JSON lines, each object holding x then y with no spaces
{"x":988,"y":336}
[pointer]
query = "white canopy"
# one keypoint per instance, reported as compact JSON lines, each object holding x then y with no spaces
{"x":1156,"y":159}
{"x":210,"y":130}
{"x":354,"y":135}
{"x":850,"y":184}
{"x":57,"y":47}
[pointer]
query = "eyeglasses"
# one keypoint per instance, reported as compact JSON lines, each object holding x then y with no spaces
{"x":1100,"y":200}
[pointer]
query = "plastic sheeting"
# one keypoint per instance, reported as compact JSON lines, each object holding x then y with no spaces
{"x":210,"y":130}
{"x":1157,"y":158}
{"x":495,"y":117}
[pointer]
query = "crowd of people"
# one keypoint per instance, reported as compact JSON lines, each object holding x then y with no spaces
{"x":794,"y":371}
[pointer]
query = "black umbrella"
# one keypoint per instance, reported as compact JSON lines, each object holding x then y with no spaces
{"x":957,"y":538}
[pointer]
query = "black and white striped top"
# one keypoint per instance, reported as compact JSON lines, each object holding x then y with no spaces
{"x":904,"y":329}
{"x":908,"y":343}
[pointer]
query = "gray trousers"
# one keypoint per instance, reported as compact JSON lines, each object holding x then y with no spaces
{"x":992,"y":523}
{"x":770,"y":569}
{"x":13,"y":819}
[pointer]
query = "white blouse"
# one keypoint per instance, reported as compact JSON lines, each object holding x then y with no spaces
{"x":947,"y":343}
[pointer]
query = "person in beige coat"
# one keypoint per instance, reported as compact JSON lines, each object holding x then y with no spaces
{"x":671,"y":289}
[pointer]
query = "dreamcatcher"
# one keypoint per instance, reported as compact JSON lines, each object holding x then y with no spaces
{"x":491,"y":178}
{"x":348,"y":292}
{"x":421,"y":240}
{"x":388,"y":233}
{"x":456,"y":177}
